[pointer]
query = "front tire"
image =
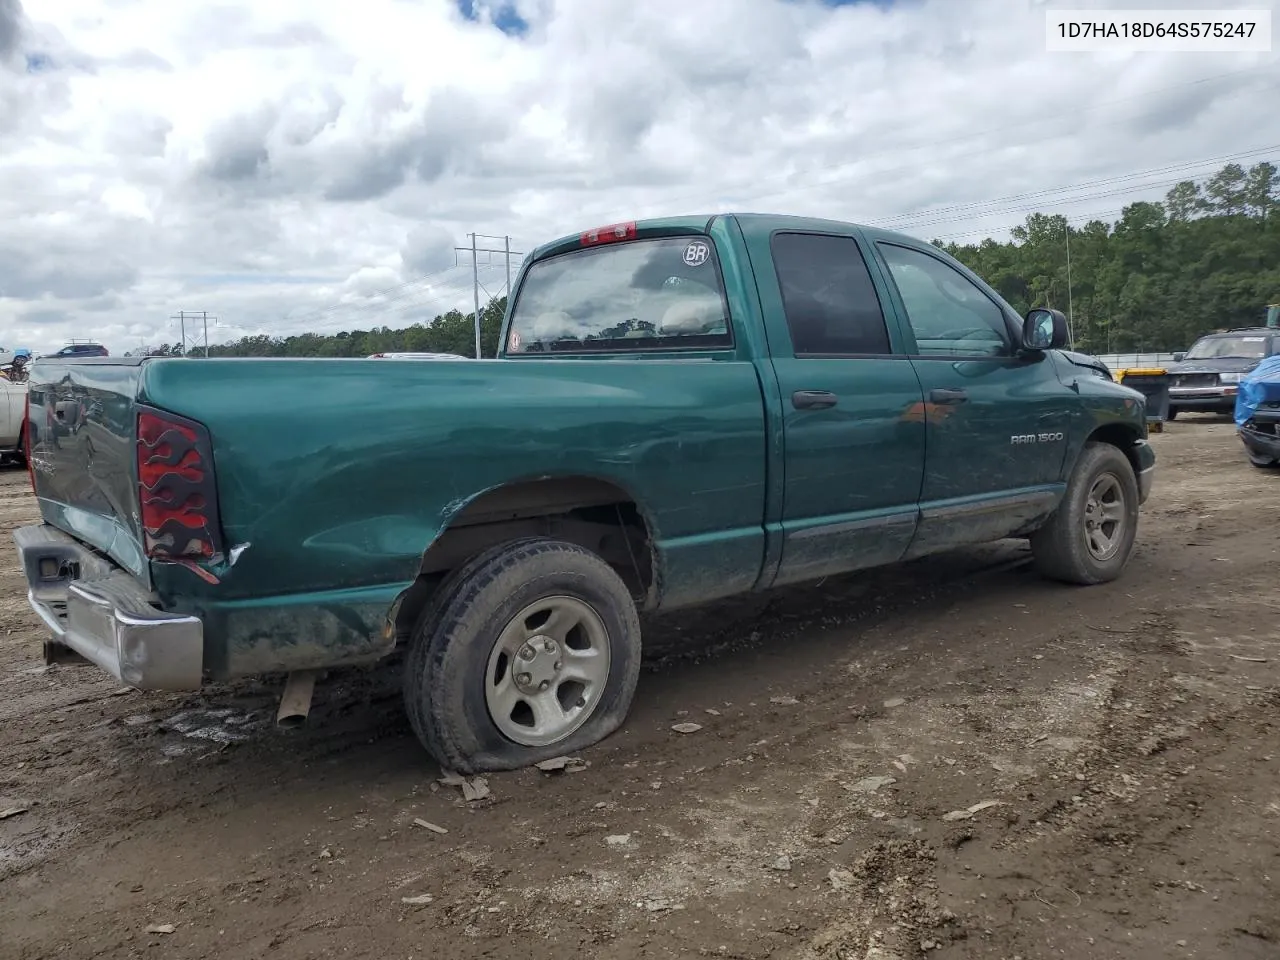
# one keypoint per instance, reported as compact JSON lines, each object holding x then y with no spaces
{"x":530,"y":651}
{"x":1172,"y":414}
{"x":1090,"y":536}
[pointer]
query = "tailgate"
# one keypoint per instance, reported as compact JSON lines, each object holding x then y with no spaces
{"x":82,"y":430}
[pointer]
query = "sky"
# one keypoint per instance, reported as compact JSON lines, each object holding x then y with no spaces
{"x":293,"y":166}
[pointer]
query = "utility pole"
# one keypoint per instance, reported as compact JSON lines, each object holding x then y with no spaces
{"x":182,"y":316}
{"x":475,"y":250}
{"x":475,"y":289}
{"x":1071,"y":318}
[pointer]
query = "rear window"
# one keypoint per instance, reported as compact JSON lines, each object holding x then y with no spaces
{"x":644,"y":295}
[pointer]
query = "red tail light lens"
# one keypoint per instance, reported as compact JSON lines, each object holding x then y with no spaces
{"x":613,"y":233}
{"x":176,"y":488}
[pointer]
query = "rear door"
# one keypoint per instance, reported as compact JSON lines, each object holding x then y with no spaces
{"x":997,"y":420}
{"x":853,"y":436}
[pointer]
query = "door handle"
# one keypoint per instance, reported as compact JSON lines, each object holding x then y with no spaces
{"x":813,"y":399}
{"x":948,"y":396}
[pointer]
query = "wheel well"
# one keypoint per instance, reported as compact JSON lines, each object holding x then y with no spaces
{"x":593,"y":513}
{"x":1118,"y":435}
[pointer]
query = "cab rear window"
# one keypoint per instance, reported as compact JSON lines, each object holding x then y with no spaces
{"x":659,"y":294}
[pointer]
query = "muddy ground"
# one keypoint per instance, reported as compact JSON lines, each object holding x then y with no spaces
{"x":1123,"y":740}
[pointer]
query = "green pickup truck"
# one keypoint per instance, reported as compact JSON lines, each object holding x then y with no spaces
{"x":682,"y":410}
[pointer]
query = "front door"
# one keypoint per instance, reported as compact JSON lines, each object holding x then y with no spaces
{"x":853,"y":438}
{"x":997,"y":419}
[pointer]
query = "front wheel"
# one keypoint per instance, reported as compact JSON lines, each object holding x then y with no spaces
{"x":1172,"y":414}
{"x":529,"y":651}
{"x":1090,"y":536}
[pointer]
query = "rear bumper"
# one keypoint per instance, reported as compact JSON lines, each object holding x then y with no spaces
{"x":102,"y":613}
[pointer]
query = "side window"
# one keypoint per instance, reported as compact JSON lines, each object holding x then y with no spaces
{"x":827,"y":294}
{"x":949,"y":315}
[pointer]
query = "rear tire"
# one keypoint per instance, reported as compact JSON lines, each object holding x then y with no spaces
{"x":529,"y":651}
{"x":1090,"y":536}
{"x":1172,"y":414}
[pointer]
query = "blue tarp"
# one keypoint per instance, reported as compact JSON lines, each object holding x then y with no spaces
{"x":1259,"y":385}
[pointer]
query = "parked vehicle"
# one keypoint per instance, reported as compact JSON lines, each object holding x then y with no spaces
{"x":13,"y":412}
{"x":82,"y":348}
{"x":416,"y":356}
{"x":682,"y":410}
{"x":1206,"y":378}
{"x":1257,"y":413}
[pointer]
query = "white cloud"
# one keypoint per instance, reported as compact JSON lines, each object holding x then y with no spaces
{"x":291,"y":166}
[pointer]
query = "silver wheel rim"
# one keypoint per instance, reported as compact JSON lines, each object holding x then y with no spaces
{"x":547,"y":671}
{"x":1104,"y":517}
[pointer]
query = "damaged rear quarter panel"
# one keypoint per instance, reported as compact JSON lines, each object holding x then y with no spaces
{"x":341,"y":473}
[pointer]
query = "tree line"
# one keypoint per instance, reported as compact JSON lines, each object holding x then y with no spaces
{"x":1206,"y":258}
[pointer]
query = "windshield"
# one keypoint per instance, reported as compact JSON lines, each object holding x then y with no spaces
{"x":1218,"y":348}
{"x":643,"y":295}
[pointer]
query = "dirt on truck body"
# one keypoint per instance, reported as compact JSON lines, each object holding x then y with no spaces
{"x":954,"y":758}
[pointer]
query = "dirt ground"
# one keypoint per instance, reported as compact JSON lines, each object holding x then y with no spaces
{"x":951,"y":759}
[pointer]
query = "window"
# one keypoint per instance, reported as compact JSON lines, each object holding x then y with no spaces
{"x":1221,"y":348}
{"x":827,"y":294}
{"x":949,"y":315}
{"x":643,"y":295}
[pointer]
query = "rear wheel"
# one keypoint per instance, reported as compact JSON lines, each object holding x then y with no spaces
{"x":529,"y":651}
{"x":1090,"y":536}
{"x":1172,"y":414}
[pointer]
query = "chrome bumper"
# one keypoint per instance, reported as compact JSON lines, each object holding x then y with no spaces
{"x":102,"y":613}
{"x":1203,"y":393}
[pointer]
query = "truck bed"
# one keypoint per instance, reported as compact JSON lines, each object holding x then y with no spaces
{"x":332,"y":477}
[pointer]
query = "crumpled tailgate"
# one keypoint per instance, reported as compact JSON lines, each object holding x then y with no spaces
{"x":82,"y":427}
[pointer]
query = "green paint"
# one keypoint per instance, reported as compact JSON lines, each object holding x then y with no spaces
{"x":336,"y":475}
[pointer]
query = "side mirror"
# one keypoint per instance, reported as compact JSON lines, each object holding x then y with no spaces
{"x":1179,"y":356}
{"x":1044,"y":330}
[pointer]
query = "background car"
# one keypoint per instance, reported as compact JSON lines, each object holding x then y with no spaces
{"x":1206,"y":378}
{"x":82,"y":348}
{"x":416,"y":356}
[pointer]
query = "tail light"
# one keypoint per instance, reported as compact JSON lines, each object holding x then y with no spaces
{"x":176,"y":491}
{"x":613,"y":233}
{"x":26,"y":441}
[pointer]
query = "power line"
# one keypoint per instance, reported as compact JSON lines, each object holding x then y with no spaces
{"x":183,"y":316}
{"x":475,"y":252}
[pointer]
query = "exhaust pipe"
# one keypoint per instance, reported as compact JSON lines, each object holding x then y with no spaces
{"x":295,"y":702}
